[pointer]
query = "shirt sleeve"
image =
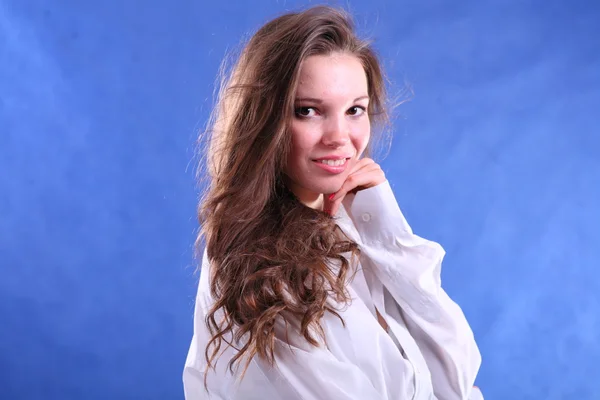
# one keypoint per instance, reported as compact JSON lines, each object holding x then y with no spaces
{"x":410,"y":268}
{"x":301,"y":372}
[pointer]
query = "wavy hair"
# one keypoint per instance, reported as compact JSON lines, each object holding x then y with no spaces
{"x":270,"y":254}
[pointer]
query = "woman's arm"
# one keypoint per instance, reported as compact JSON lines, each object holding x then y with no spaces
{"x":410,"y":268}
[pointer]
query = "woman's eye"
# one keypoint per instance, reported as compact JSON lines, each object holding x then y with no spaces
{"x":356,"y":110}
{"x":305,"y":111}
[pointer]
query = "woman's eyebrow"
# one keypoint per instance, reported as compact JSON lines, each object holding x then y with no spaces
{"x":319,"y":101}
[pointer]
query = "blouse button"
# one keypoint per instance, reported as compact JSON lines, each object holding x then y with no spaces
{"x":366,"y":217}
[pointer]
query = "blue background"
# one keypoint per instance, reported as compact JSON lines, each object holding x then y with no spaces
{"x":497,"y":157}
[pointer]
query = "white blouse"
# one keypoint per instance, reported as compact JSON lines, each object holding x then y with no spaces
{"x":428,"y":352}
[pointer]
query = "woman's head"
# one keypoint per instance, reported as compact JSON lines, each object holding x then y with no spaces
{"x":304,"y":88}
{"x":330,"y":128}
{"x":258,"y":131}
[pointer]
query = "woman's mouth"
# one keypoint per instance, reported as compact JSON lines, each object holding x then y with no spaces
{"x":332,"y":166}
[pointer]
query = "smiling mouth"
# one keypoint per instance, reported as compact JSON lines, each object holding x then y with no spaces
{"x":333,"y":163}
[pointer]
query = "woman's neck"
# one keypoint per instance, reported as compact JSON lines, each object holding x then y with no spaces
{"x":308,"y":198}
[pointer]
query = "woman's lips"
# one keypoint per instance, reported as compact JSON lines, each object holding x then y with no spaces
{"x":332,"y":169}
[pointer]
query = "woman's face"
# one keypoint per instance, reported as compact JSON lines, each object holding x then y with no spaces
{"x":330,"y":127}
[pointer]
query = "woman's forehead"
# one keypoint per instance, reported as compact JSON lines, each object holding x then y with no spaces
{"x":332,"y":75}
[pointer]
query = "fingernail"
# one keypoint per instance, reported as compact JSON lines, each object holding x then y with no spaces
{"x":331,"y":196}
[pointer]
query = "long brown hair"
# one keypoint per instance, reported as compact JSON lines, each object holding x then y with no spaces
{"x":268,"y":252}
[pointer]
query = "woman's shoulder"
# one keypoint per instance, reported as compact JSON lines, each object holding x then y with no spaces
{"x":204,"y":298}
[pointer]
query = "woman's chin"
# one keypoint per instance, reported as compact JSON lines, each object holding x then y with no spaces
{"x":329,"y":187}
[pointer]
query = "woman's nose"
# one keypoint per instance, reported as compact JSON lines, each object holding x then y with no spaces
{"x":336,"y":132}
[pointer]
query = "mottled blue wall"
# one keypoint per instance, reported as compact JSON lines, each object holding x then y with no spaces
{"x":497,"y":157}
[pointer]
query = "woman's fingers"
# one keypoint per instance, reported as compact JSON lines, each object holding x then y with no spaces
{"x":366,"y":174}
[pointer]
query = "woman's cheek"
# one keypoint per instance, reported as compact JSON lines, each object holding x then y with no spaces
{"x":362,"y":144}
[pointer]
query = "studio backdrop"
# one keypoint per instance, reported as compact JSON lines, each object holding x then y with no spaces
{"x":495,"y":155}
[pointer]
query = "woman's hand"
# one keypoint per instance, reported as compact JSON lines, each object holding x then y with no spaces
{"x":365,"y":174}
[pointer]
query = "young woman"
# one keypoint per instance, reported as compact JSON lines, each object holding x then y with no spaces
{"x":313,"y":285}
